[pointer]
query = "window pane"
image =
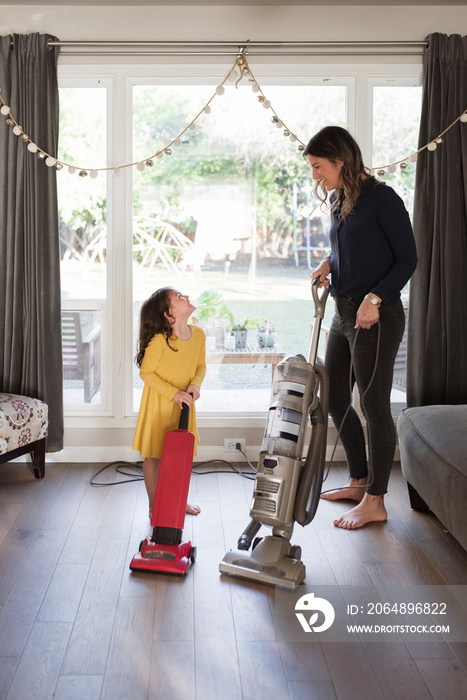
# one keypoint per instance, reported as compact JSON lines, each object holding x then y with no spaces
{"x":396,"y":120}
{"x":82,"y":199}
{"x":230,"y":210}
{"x":83,"y":238}
{"x":81,"y":341}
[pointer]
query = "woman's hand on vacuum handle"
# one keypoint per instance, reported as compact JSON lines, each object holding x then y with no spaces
{"x":182,"y":397}
{"x":322,"y":272}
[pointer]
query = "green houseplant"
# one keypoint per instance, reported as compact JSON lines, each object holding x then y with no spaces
{"x":213,"y":314}
{"x":239,"y":332}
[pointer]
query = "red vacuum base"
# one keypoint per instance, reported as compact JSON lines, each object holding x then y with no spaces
{"x":163,"y":558}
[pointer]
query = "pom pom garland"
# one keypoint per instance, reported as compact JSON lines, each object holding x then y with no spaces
{"x":237,"y":73}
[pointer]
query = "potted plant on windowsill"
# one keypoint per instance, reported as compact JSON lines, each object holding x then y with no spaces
{"x":239,"y":332}
{"x":213,"y":314}
{"x":266,"y":335}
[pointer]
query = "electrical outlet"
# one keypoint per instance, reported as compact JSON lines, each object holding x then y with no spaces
{"x":230,"y":444}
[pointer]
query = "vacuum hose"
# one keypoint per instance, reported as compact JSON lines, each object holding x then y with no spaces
{"x":311,"y":479}
{"x":251,"y":530}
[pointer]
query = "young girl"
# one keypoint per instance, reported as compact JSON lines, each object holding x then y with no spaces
{"x":172,"y":361}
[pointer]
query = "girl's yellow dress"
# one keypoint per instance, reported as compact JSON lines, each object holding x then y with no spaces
{"x":164,"y":372}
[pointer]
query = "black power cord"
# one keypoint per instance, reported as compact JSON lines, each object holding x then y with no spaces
{"x":134,"y":470}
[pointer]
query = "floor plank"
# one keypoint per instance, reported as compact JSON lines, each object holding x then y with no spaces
{"x":89,"y":643}
{"x":444,"y":677}
{"x":352,"y":673}
{"x":78,"y":688}
{"x":128,"y":668}
{"x":22,"y":604}
{"x":262,"y":671}
{"x":38,"y":669}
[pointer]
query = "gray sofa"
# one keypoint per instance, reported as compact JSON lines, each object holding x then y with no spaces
{"x":433,"y":450}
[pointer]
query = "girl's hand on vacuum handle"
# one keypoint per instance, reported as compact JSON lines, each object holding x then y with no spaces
{"x":194,"y":391}
{"x":182,"y":397}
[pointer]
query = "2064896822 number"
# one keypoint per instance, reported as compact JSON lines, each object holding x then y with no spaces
{"x":406,"y":608}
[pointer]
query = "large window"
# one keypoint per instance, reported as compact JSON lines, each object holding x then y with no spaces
{"x":230,"y":210}
{"x":227,"y":215}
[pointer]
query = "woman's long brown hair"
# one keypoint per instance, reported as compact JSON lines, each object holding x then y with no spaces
{"x":153,"y":320}
{"x":336,"y":144}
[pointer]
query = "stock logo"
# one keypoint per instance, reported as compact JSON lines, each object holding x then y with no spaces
{"x":310,"y":606}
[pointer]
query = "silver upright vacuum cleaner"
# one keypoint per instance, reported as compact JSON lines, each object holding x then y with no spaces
{"x":287,"y":485}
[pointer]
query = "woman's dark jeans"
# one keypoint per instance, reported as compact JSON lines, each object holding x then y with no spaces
{"x":376,"y":402}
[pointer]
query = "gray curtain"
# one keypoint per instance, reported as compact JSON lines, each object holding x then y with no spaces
{"x":437,"y":333}
{"x":30,"y":324}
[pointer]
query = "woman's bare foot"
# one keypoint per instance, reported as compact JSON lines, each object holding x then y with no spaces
{"x":354,"y":491}
{"x":192,"y":510}
{"x":370,"y":510}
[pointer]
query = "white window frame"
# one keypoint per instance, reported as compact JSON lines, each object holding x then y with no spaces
{"x":67,"y":78}
{"x":117,"y":400}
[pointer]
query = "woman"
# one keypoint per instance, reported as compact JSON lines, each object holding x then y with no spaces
{"x":372,"y":257}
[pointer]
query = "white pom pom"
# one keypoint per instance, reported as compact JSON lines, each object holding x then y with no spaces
{"x":255,"y":87}
{"x":93,"y":174}
{"x":5,"y":110}
{"x":17,"y":130}
{"x":220,"y":89}
{"x":432,"y":146}
{"x":116,"y":171}
{"x":463,"y":118}
{"x":279,"y":124}
{"x":392,"y":168}
{"x":50,"y":162}
{"x":32,"y":147}
{"x":140,"y":166}
{"x":207,"y":109}
{"x":192,"y":126}
{"x":266,"y":104}
{"x":159,"y":155}
{"x":72,"y":170}
{"x":178,"y":142}
{"x":413,"y":157}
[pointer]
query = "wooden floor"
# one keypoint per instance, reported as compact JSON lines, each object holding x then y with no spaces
{"x":76,"y":624}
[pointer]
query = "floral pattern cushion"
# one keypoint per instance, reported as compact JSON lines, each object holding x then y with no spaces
{"x":22,"y":420}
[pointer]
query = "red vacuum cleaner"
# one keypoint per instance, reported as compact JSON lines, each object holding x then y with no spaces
{"x":164,"y":552}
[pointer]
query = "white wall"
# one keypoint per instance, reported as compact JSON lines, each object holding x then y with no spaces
{"x":276,"y":23}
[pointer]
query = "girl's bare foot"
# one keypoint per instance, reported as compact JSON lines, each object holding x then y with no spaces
{"x":370,"y":510}
{"x":192,"y":510}
{"x":354,"y":491}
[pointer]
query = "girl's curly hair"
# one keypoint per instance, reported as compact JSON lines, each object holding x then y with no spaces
{"x":337,"y":144}
{"x":153,"y":320}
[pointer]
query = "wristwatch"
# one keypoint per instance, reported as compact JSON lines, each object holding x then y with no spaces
{"x":373,"y":300}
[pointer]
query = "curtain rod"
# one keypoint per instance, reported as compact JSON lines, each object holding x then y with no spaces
{"x":256,"y":48}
